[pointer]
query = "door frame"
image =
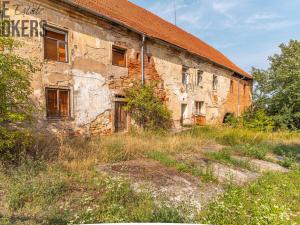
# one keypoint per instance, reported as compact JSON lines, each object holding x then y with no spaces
{"x":114,"y":115}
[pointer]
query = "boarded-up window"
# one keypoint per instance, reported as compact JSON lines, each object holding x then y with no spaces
{"x":57,"y":103}
{"x":199,"y":108}
{"x":231,"y":86}
{"x":56,"y":45}
{"x":118,"y":56}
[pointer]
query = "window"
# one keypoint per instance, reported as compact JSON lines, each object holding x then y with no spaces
{"x":215,"y":82}
{"x":199,"y":108}
{"x":57,"y":103}
{"x":118,"y":56}
{"x":231,"y":86}
{"x":199,"y":77}
{"x":185,"y":75}
{"x":56,"y":45}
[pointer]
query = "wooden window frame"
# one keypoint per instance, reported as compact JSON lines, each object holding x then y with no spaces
{"x":116,"y":48}
{"x":58,"y":105}
{"x":58,"y":42}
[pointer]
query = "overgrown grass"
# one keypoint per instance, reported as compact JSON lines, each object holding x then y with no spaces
{"x":225,"y":157}
{"x":69,"y":190}
{"x":205,"y":173}
{"x":273,"y":199}
{"x":57,"y":196}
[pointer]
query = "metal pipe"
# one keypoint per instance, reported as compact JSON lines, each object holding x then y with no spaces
{"x":143,"y":59}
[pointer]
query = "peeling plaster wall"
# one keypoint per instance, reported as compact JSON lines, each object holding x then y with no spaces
{"x":93,"y":80}
{"x":91,"y":96}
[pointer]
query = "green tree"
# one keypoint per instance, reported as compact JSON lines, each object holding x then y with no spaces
{"x":277,"y":89}
{"x":147,"y":110}
{"x":16,"y":106}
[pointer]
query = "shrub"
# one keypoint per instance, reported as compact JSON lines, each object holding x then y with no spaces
{"x":147,"y":109}
{"x":258,"y":120}
{"x":16,"y":106}
{"x":231,"y":120}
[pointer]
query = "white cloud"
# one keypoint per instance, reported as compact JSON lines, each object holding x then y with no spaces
{"x":259,"y":17}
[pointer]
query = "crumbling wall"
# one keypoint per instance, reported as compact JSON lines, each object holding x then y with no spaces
{"x":94,"y":82}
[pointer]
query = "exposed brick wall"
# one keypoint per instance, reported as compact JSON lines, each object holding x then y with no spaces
{"x":231,"y":103}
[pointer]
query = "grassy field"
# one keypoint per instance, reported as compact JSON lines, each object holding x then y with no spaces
{"x":69,"y":189}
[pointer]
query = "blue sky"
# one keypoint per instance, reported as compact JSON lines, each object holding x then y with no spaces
{"x":247,"y":31}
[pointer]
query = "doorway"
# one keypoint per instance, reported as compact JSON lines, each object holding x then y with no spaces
{"x":183,"y":113}
{"x":120,"y":117}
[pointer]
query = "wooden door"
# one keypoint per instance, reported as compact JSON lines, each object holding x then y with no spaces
{"x":120,"y":117}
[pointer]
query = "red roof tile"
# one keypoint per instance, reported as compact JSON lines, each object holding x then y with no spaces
{"x":143,"y":21}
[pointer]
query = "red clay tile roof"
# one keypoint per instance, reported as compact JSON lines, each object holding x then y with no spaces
{"x":141,"y":20}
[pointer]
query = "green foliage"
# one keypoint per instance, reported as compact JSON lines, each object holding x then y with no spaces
{"x":120,"y":203}
{"x":288,"y":160}
{"x":232,"y":121}
{"x":272,"y":200}
{"x":227,"y":136}
{"x":27,"y":188}
{"x":147,"y":110}
{"x":15,"y":102}
{"x":15,"y":89}
{"x":225,"y":157}
{"x":277,"y":89}
{"x":253,"y":151}
{"x":258,"y":120}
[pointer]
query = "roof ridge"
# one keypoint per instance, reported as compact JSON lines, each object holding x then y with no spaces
{"x":141,"y":20}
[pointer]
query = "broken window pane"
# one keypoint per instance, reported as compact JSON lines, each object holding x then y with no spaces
{"x":118,"y":57}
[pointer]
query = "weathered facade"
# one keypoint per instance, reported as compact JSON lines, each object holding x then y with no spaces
{"x":89,"y":60}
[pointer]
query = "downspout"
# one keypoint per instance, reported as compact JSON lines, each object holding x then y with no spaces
{"x":143,"y":59}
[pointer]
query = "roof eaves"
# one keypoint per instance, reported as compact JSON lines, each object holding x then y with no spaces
{"x":85,"y":9}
